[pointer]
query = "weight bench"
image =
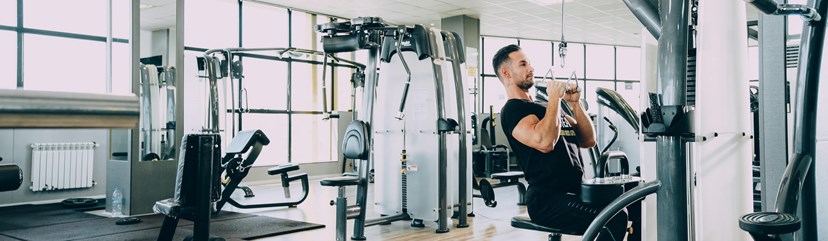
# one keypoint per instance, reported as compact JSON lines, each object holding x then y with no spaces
{"x":250,"y":142}
{"x":195,"y":187}
{"x":524,"y":222}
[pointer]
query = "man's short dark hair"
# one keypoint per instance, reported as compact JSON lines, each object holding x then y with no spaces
{"x":502,"y":56}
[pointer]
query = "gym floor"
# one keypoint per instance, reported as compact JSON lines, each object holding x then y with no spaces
{"x":488,"y":224}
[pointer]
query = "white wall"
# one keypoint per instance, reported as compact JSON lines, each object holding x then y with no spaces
{"x":15,"y":148}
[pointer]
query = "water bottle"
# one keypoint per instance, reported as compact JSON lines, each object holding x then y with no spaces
{"x":117,"y":203}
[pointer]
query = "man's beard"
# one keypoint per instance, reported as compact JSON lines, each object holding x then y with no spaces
{"x":525,"y":85}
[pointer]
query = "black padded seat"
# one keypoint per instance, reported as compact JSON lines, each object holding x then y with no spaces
{"x":340,"y":181}
{"x":524,"y":222}
{"x":508,"y":175}
{"x":769,"y":223}
{"x":282,"y":169}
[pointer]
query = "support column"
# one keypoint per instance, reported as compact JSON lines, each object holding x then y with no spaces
{"x":671,"y":156}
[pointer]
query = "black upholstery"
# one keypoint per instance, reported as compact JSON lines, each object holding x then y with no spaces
{"x":418,"y":38}
{"x":11,"y":177}
{"x":765,"y":223}
{"x":355,"y":144}
{"x":282,"y":169}
{"x":196,"y":186}
{"x":342,"y":43}
{"x":616,"y":102}
{"x":245,"y":139}
{"x":525,"y":222}
{"x":340,"y":181}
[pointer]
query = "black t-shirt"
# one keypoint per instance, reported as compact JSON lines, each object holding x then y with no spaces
{"x":558,"y":171}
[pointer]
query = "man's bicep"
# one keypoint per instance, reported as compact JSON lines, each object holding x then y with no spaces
{"x":525,"y":129}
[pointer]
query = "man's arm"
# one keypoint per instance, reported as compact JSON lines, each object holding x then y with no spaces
{"x":582,"y":124}
{"x":540,"y":134}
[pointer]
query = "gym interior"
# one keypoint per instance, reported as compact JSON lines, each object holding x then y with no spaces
{"x":380,"y":119}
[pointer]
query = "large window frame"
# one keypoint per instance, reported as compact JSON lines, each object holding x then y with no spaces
{"x":22,"y":31}
{"x":293,"y":113}
{"x":490,"y":81}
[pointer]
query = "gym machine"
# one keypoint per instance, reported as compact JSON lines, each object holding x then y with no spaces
{"x":671,"y":124}
{"x":226,"y":63}
{"x":411,"y":57}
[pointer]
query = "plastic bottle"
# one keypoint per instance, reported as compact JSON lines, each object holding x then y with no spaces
{"x":117,"y":203}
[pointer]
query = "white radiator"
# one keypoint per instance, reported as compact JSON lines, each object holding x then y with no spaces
{"x":59,"y":166}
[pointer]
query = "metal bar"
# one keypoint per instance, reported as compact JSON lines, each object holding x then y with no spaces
{"x":19,"y":44}
{"x":212,"y":73}
{"x":672,"y":168}
{"x":626,"y":199}
{"x":810,"y":59}
{"x":21,"y":108}
{"x":766,"y":6}
{"x":71,"y":35}
{"x":647,"y":14}
{"x":369,"y":97}
{"x":773,"y":144}
{"x":289,"y":89}
{"x":442,"y":163}
{"x":453,"y":42}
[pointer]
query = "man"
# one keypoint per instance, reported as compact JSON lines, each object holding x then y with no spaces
{"x":546,"y":143}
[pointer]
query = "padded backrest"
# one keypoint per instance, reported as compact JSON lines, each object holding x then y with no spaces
{"x":197,"y":151}
{"x":355,"y":143}
{"x":245,"y":139}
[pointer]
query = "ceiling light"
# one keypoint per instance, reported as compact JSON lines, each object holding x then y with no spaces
{"x":548,"y":2}
{"x":145,"y":6}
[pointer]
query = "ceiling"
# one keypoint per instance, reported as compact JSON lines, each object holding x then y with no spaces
{"x":160,"y":16}
{"x":589,"y":21}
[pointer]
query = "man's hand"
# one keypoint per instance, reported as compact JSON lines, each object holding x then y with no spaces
{"x":556,"y":89}
{"x":573,"y":93}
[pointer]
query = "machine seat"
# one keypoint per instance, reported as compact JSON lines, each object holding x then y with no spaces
{"x":282,"y":169}
{"x":769,"y":223}
{"x":507,"y":175}
{"x":340,"y":181}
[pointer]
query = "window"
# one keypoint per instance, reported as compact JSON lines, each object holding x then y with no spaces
{"x":305,"y":89}
{"x":600,"y":62}
{"x":211,"y":23}
{"x":266,"y":84}
{"x":121,"y":68}
{"x":343,"y":85}
{"x":45,"y":66}
{"x":312,"y":139}
{"x":628,"y":63}
{"x":494,"y":94}
{"x":574,"y":61}
{"x":753,"y":63}
{"x":8,"y":13}
{"x":303,"y":30}
{"x":8,"y":63}
{"x":275,"y":127}
{"x":591,"y":97}
{"x":631,"y":92}
{"x":122,"y":19}
{"x":539,"y":54}
{"x":490,"y":48}
{"x":257,"y":34}
{"x":54,"y":16}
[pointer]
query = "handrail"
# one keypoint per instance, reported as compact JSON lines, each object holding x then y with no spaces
{"x":616,"y":206}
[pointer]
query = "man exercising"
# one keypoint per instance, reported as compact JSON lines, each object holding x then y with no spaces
{"x":546,"y":143}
